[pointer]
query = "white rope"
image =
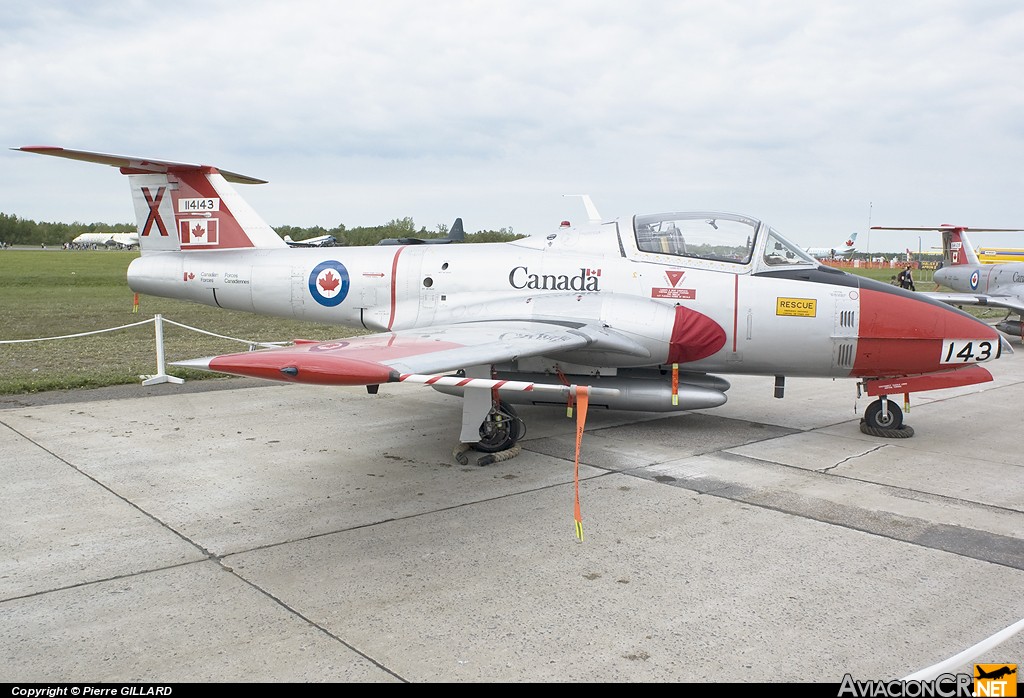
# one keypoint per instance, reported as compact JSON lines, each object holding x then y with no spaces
{"x":220,"y":336}
{"x":80,"y":334}
{"x":145,"y":322}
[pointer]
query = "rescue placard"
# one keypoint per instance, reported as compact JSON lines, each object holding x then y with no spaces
{"x":798,"y":307}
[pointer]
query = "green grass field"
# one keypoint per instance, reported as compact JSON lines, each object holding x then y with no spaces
{"x":54,"y":293}
{"x":61,"y":292}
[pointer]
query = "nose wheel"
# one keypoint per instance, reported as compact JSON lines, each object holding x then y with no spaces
{"x":884,"y":418}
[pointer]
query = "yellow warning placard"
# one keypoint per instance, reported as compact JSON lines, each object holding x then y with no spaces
{"x":798,"y":307}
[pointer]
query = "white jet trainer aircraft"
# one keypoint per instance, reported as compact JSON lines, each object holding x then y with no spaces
{"x":634,"y":314}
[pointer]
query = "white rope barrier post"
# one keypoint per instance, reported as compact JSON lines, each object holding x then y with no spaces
{"x":161,"y":370}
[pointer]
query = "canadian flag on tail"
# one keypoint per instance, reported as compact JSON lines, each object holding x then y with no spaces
{"x":198,"y":231}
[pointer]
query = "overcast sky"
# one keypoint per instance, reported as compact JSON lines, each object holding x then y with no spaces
{"x":819,"y":117}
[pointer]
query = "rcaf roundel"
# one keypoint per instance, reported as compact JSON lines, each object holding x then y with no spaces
{"x":328,"y":283}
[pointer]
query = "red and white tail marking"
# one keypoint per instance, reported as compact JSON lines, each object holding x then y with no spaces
{"x":958,"y":247}
{"x":191,"y":209}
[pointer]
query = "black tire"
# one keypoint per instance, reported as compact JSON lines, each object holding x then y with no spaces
{"x":500,"y":431}
{"x":873,"y":415}
{"x":891,"y":427}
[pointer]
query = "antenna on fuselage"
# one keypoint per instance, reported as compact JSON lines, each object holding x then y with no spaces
{"x":592,"y":214}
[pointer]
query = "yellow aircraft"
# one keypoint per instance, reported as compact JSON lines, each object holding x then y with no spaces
{"x":1000,"y":255}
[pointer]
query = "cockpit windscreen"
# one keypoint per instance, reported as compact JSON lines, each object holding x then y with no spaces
{"x":717,"y":237}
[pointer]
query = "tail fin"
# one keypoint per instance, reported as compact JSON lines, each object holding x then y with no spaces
{"x":457,"y":233}
{"x":956,"y":248}
{"x":181,"y":206}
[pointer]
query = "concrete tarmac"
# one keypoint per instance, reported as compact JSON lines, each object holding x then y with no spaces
{"x":246,"y":532}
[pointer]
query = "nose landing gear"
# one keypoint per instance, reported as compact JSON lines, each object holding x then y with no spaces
{"x":884,"y":418}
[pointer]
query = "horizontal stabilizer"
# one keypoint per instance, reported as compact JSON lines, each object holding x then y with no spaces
{"x":183,"y":207}
{"x":136,"y":165}
{"x":944,"y":228}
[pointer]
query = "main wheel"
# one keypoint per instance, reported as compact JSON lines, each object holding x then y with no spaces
{"x":893,"y":419}
{"x":500,"y":431}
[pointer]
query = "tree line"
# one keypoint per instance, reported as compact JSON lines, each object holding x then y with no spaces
{"x":22,"y":231}
{"x":396,"y":228}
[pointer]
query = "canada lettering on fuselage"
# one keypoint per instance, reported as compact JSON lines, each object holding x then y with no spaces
{"x":586,"y":280}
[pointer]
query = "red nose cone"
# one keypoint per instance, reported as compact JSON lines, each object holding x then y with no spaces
{"x":900,"y":335}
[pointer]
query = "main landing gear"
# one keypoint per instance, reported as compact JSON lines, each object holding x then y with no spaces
{"x":499,"y":433}
{"x":884,"y":418}
{"x":501,"y":430}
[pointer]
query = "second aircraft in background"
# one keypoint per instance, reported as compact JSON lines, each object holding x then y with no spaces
{"x":975,"y":283}
{"x":828,"y":253}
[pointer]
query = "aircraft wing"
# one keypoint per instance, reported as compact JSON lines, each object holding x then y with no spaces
{"x":1008,"y":302}
{"x":416,"y":354}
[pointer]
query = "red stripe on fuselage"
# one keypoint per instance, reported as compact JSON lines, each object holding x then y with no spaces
{"x":394,"y":283}
{"x":735,"y":311}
